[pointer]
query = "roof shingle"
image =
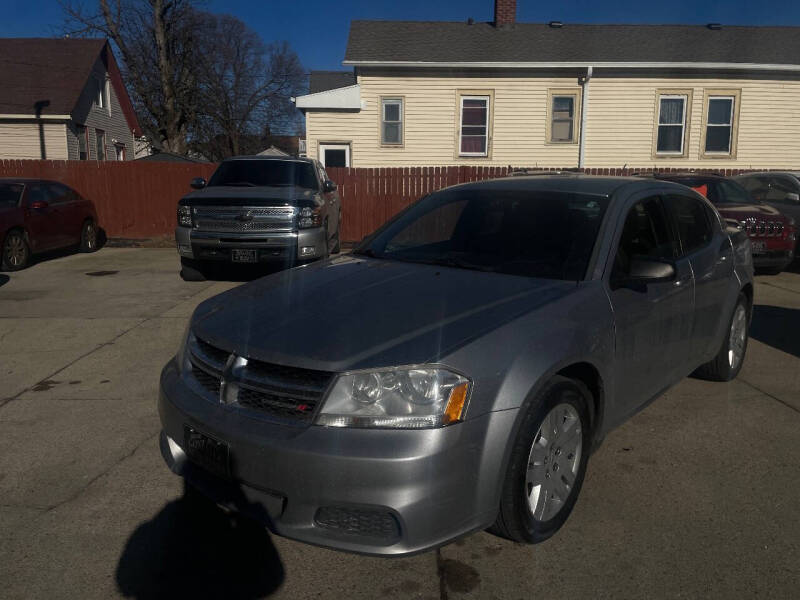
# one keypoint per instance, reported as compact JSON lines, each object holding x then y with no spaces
{"x":450,"y":42}
{"x":321,"y":81}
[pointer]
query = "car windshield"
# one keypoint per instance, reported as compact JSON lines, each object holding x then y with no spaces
{"x":10,"y":194}
{"x":533,"y":234}
{"x":252,"y":173}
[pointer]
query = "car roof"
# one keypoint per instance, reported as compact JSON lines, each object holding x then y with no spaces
{"x":767,"y":173}
{"x":567,"y":182}
{"x":271,"y":158}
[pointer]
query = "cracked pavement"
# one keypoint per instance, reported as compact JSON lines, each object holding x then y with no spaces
{"x":695,"y":496}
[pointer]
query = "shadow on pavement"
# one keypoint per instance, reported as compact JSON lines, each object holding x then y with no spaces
{"x":777,"y":327}
{"x":193,"y":549}
{"x":4,"y":279}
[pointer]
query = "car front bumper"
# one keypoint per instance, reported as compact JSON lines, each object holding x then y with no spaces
{"x":371,"y":491}
{"x":305,"y":244}
{"x":773,"y":259}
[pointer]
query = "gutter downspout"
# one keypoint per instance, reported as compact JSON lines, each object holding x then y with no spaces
{"x":584,"y":81}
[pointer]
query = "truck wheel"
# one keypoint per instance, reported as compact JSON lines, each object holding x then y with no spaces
{"x":547,"y":464}
{"x":16,"y":253}
{"x":192,"y":270}
{"x":728,"y":361}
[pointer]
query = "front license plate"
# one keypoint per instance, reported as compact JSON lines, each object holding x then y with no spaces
{"x":211,"y":454}
{"x":245,"y":256}
{"x":759,"y":247}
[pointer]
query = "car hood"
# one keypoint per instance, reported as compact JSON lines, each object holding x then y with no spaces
{"x":746,"y":211}
{"x":351,"y":313}
{"x":250,"y":196}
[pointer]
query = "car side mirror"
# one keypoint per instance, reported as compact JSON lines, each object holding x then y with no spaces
{"x":793,"y":197}
{"x":198,"y":183}
{"x":39,"y":204}
{"x":328,"y":186}
{"x":643,"y":271}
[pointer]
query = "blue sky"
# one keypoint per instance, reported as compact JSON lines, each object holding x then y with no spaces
{"x":317,"y":29}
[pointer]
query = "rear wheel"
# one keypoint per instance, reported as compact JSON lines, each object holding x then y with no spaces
{"x":16,"y":253}
{"x":547,"y":465}
{"x":89,"y":236}
{"x":728,"y":361}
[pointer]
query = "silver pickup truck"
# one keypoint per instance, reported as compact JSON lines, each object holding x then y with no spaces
{"x":455,"y":371}
{"x":257,"y":209}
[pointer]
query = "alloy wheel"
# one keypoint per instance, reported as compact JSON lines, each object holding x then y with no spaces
{"x":737,"y":337}
{"x":15,"y":250}
{"x":90,"y":235}
{"x":553,"y":462}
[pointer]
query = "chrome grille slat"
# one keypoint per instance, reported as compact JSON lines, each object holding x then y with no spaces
{"x":286,"y":393}
{"x":762,"y":228}
{"x":244,"y":218}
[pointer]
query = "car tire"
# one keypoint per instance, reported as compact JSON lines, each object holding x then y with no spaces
{"x":192,"y":270}
{"x":730,"y":358}
{"x":16,"y":252}
{"x":545,"y":474}
{"x":89,"y":236}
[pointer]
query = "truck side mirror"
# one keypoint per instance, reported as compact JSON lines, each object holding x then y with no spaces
{"x":198,"y":183}
{"x":328,"y":186}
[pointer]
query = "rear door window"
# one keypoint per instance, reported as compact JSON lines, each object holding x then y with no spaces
{"x":692,"y":222}
{"x":10,"y":194}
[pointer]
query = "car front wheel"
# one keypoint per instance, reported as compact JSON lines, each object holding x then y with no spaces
{"x":547,"y":465}
{"x":16,"y":253}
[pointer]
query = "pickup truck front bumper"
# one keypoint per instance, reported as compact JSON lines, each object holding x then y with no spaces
{"x":305,"y":244}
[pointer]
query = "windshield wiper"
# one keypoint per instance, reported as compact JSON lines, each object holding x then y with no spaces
{"x":454,"y":263}
{"x":365,"y":252}
{"x":241,"y":183}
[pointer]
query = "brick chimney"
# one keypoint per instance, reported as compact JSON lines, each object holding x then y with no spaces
{"x":505,"y":13}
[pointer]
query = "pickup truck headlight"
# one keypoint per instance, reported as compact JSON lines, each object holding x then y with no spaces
{"x":185,"y":216}
{"x":400,"y":398}
{"x":309,"y":217}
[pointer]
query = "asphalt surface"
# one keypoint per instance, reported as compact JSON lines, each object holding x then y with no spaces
{"x":696,"y":496}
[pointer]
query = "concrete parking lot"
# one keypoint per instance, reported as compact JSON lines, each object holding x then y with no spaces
{"x":697,"y":496}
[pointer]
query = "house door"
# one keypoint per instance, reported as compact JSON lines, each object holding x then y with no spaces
{"x":334,"y":155}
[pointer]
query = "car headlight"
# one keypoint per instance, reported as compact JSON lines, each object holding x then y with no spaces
{"x":181,"y":357}
{"x":309,"y":217}
{"x":185,"y":216}
{"x":402,"y":398}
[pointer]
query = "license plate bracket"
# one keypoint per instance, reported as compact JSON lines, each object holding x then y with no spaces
{"x":244,"y":256}
{"x":206,"y":451}
{"x":758,"y":247}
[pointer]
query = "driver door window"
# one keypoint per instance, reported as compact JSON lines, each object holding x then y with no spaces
{"x":646,"y":234}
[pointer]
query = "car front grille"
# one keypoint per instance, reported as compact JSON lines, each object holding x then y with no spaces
{"x":275,"y":391}
{"x":762,"y":228}
{"x":236,"y":219}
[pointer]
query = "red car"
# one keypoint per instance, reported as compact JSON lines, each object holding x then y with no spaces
{"x":772,"y":234}
{"x":38,"y":215}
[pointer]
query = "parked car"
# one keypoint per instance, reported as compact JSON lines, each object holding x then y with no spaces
{"x":259,"y":209}
{"x":454,"y":372}
{"x":779,"y":189}
{"x":37,"y":215}
{"x":773,"y":235}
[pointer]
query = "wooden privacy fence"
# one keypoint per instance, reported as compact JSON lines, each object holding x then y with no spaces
{"x":138,"y":199}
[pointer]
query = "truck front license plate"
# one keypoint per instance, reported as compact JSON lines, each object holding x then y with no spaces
{"x":759,"y":247}
{"x":245,"y":256}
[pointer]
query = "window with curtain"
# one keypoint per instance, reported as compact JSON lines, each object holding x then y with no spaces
{"x":562,"y":121}
{"x":474,"y":126}
{"x":392,"y":121}
{"x":719,"y":124}
{"x":671,"y":124}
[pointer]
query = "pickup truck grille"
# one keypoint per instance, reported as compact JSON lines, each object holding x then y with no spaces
{"x":276,"y":391}
{"x":244,"y":218}
{"x":762,"y":228}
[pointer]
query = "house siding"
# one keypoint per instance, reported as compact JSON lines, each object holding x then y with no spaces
{"x":113,"y":122}
{"x":620,"y":121}
{"x":20,"y":139}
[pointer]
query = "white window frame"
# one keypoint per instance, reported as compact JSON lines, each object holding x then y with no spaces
{"x":334,"y":146}
{"x":659,"y":124}
{"x":572,"y":119}
{"x":399,"y":102}
{"x":729,"y":125}
{"x":488,"y":100}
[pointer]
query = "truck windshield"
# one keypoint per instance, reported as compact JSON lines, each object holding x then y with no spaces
{"x":10,"y":194}
{"x":533,"y":234}
{"x":252,"y":173}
